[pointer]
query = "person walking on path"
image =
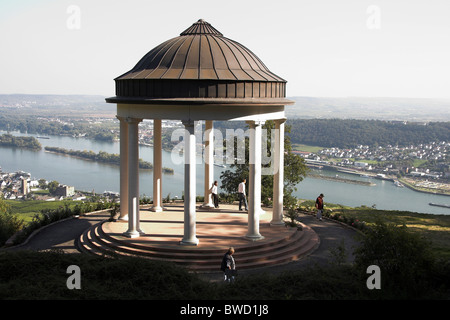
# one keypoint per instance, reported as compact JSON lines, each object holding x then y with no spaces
{"x":228,"y":265}
{"x":242,"y":197}
{"x":319,"y":206}
{"x":215,"y":194}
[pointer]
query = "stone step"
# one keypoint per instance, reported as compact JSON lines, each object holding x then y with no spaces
{"x":104,"y":233}
{"x":278,"y":251}
{"x":273,"y":249}
{"x":259,"y":245}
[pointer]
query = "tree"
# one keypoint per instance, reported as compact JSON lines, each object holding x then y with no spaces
{"x":404,"y":258}
{"x":52,"y":186}
{"x":295,"y":169}
{"x":42,"y":183}
{"x":9,"y":223}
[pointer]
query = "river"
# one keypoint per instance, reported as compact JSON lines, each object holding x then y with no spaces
{"x":88,"y":175}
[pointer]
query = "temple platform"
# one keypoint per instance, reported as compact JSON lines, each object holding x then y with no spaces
{"x":216,"y":230}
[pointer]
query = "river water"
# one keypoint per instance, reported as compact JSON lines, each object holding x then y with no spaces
{"x":88,"y":175}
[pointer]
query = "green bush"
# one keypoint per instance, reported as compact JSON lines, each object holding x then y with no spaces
{"x":9,"y":225}
{"x":407,"y":264}
{"x":48,"y":216}
{"x":42,"y":275}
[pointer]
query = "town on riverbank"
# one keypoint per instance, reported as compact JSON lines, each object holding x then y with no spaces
{"x":21,"y":185}
{"x":420,"y":167}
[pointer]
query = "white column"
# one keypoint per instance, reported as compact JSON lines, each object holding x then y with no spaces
{"x":133,"y":176}
{"x":123,"y":169}
{"x":209,"y":163}
{"x":254,"y":201}
{"x":157,"y":166}
{"x":190,"y":237}
{"x":278,"y":176}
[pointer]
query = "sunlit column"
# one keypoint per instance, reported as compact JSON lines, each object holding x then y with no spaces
{"x":123,"y":168}
{"x":254,"y":201}
{"x":133,"y":176}
{"x":157,"y":165}
{"x":209,"y":162}
{"x":190,"y":237}
{"x":278,"y":176}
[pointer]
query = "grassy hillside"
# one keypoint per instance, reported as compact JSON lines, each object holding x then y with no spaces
{"x":415,"y":262}
{"x":433,"y":227}
{"x":26,"y":210}
{"x":44,"y":275}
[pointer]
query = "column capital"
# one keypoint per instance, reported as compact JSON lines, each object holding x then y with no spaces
{"x":280,"y":121}
{"x":255,"y":122}
{"x":132,"y":120}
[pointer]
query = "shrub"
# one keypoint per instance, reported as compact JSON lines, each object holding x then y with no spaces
{"x":9,"y":225}
{"x":48,"y":216}
{"x":404,"y":258}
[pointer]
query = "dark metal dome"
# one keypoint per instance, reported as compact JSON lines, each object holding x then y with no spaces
{"x":200,"y":63}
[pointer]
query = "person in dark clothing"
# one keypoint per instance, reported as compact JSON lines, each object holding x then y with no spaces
{"x":228,"y":265}
{"x":319,"y":206}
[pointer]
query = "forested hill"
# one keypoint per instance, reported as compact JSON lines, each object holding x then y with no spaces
{"x":345,"y":133}
{"x":349,"y":133}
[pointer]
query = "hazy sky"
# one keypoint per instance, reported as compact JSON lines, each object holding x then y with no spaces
{"x":323,"y":48}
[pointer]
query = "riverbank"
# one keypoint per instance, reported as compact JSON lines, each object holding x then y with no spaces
{"x":424,"y":186}
{"x":88,"y":175}
{"x":442,"y":189}
{"x":340,"y":179}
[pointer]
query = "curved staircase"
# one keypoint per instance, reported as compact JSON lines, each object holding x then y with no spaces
{"x":281,"y":246}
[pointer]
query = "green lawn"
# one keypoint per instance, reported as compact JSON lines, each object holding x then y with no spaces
{"x":305,"y":148}
{"x":26,"y":210}
{"x":433,"y":227}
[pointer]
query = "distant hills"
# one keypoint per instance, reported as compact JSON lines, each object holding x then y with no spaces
{"x":402,"y":109}
{"x":349,"y":133}
{"x":57,"y":105}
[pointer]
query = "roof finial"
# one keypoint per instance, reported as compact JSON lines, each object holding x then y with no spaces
{"x":201,"y":27}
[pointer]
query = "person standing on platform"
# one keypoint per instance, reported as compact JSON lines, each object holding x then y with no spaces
{"x":215,"y":194}
{"x":319,"y":206}
{"x":242,"y":197}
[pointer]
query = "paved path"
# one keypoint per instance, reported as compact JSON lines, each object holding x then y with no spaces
{"x":331,"y":234}
{"x":62,"y":236}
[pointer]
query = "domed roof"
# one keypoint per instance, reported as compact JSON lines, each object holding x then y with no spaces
{"x":199,"y":64}
{"x":201,"y":53}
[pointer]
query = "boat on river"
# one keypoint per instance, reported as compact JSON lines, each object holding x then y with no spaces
{"x":398,"y":183}
{"x":440,"y":205}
